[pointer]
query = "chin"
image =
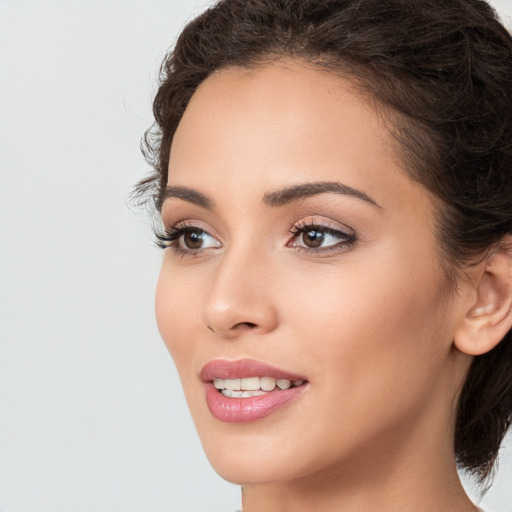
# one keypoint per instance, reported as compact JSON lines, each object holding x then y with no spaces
{"x":260,"y":453}
{"x":242,"y":458}
{"x":257,"y":470}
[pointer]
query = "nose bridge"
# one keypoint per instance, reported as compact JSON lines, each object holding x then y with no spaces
{"x":239,"y":296}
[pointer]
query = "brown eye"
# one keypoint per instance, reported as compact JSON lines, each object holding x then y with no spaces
{"x":317,"y":238}
{"x":193,"y":239}
{"x":187,"y":239}
{"x":313,"y":238}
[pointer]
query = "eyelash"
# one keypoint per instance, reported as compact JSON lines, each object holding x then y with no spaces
{"x":170,"y":238}
{"x":346,"y":239}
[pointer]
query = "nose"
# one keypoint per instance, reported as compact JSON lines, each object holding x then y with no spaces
{"x":240,"y":297}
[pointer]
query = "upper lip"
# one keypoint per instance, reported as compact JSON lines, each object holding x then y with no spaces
{"x":240,"y":368}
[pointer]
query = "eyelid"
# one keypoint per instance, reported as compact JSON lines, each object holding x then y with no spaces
{"x":346,"y":235}
{"x":324,"y":223}
{"x":171,"y":234}
{"x":192,"y":224}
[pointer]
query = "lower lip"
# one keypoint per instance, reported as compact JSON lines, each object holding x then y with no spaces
{"x":243,"y":410}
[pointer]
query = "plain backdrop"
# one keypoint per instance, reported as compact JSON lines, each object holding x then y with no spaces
{"x":91,"y":411}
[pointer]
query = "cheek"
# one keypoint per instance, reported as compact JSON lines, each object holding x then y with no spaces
{"x":373,"y":349}
{"x":370,"y":331}
{"x":175,"y":314}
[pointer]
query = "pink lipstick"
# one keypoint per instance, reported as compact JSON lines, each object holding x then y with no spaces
{"x":247,"y":390}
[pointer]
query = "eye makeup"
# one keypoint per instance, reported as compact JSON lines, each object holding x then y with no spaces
{"x":311,"y":236}
{"x":315,"y":237}
{"x":186,"y":238}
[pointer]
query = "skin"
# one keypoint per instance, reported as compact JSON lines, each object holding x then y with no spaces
{"x":370,"y":324}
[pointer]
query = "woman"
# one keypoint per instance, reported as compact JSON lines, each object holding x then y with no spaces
{"x":334,"y":180}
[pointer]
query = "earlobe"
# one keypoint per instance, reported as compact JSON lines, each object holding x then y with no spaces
{"x":488,"y":318}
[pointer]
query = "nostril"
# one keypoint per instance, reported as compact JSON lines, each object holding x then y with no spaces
{"x":249,"y":325}
{"x":238,"y":326}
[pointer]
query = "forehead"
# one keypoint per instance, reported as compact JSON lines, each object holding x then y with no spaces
{"x":281,"y":124}
{"x":289,"y":94}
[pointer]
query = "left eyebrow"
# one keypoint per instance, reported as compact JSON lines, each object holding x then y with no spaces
{"x":297,"y":192}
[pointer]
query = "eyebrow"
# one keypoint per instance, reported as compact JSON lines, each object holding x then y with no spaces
{"x":272,"y":199}
{"x":297,"y":192}
{"x":187,"y":194}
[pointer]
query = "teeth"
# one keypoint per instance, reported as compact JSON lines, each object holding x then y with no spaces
{"x":267,"y":383}
{"x":247,"y":394}
{"x":255,"y":386}
{"x":241,"y":394}
{"x":233,"y":384}
{"x":283,"y":384}
{"x":251,"y":383}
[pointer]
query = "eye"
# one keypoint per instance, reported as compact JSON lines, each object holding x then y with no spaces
{"x":196,"y":239}
{"x":317,"y":238}
{"x":187,"y":239}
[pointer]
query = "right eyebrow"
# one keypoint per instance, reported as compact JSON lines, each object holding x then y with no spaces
{"x":187,"y":194}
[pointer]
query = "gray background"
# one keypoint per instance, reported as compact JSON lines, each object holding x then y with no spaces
{"x":91,"y":411}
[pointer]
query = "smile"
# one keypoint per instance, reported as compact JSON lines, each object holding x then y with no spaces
{"x":247,"y":390}
{"x":248,"y":387}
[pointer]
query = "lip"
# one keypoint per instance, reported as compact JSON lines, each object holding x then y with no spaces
{"x":226,"y":369}
{"x":243,"y":410}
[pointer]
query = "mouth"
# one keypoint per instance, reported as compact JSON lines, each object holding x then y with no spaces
{"x":247,"y":390}
{"x":247,"y":387}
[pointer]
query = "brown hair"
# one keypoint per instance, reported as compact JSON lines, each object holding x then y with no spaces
{"x":442,"y":69}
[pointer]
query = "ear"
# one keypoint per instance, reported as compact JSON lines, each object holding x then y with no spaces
{"x":487,"y":316}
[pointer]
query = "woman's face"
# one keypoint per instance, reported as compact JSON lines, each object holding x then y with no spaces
{"x":298,"y":242}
